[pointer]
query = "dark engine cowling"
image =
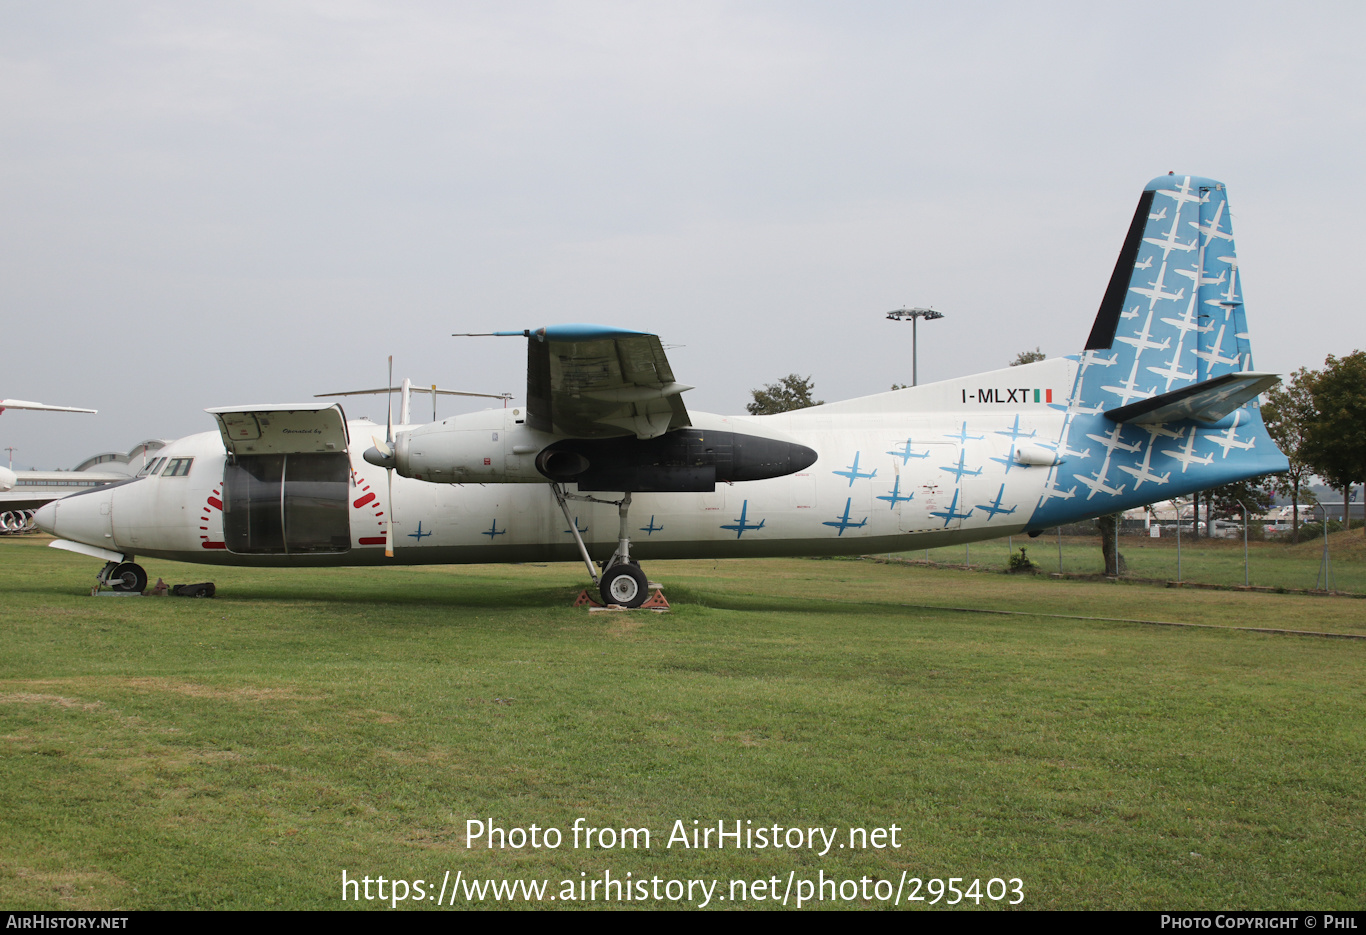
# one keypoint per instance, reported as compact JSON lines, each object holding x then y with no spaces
{"x":686,"y":460}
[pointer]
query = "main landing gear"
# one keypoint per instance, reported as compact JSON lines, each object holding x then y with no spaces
{"x":124,"y":576}
{"x":621,"y":582}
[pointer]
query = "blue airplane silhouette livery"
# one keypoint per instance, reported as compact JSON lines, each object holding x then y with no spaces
{"x":952,"y":513}
{"x":994,"y":508}
{"x":853,"y":473}
{"x":958,"y":470}
{"x":844,"y":522}
{"x":906,"y":454}
{"x":894,"y":496}
{"x":740,"y":527}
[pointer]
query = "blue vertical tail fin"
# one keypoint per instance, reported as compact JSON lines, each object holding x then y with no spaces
{"x":1165,"y":391}
{"x":1173,"y":313}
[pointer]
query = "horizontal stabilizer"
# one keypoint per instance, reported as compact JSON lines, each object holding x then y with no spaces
{"x":1206,"y":402}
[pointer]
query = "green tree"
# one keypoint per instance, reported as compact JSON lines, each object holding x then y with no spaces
{"x":791,"y":392}
{"x":1028,"y":357}
{"x":1335,"y":442}
{"x":1256,"y":495}
{"x":1288,"y":412}
{"x":1109,"y":543}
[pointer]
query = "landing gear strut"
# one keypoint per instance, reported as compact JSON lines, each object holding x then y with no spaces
{"x":622,"y":582}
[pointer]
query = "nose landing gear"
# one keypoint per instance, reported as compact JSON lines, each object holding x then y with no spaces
{"x":124,"y":576}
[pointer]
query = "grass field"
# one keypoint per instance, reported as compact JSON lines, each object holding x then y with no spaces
{"x":1211,"y":561}
{"x":244,"y":751}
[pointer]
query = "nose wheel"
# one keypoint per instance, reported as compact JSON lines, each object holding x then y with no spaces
{"x":125,"y":576}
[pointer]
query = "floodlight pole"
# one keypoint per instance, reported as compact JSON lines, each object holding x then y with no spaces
{"x":915,"y":351}
{"x":914,"y":315}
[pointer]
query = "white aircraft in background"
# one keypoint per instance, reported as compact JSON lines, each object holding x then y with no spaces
{"x":8,"y":478}
{"x":25,"y":404}
{"x":603,"y":440}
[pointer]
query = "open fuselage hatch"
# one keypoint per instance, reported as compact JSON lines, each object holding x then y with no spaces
{"x":286,"y":479}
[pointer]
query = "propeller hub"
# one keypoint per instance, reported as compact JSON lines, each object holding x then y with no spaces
{"x":379,"y":458}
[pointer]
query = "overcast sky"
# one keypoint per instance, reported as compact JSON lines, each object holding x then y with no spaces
{"x":208,"y":204}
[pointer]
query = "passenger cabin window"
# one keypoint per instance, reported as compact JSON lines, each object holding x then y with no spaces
{"x":177,"y":467}
{"x":286,"y":504}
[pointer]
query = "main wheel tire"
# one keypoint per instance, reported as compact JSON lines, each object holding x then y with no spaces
{"x":128,"y":577}
{"x":625,"y":585}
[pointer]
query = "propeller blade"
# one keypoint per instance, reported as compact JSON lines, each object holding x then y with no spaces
{"x":389,"y":417}
{"x":389,"y":520}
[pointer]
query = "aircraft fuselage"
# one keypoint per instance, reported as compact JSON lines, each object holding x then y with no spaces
{"x":937,"y":465}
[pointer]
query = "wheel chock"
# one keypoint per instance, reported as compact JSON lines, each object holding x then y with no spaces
{"x":585,"y":599}
{"x":656,"y":602}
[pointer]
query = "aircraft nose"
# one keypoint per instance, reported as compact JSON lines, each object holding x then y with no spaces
{"x":46,"y":518}
{"x":82,"y":517}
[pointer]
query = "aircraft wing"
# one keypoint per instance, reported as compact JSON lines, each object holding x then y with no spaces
{"x":25,"y":404}
{"x":588,"y":381}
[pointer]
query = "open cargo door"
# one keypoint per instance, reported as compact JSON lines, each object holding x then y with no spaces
{"x":302,"y":428}
{"x":286,"y":478}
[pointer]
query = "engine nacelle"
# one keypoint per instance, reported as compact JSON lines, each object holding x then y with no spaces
{"x":496,"y":446}
{"x":490,"y":447}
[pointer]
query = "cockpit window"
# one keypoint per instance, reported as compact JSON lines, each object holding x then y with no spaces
{"x":178,"y":467}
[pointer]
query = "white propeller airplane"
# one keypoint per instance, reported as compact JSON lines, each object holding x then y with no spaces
{"x":603,"y":435}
